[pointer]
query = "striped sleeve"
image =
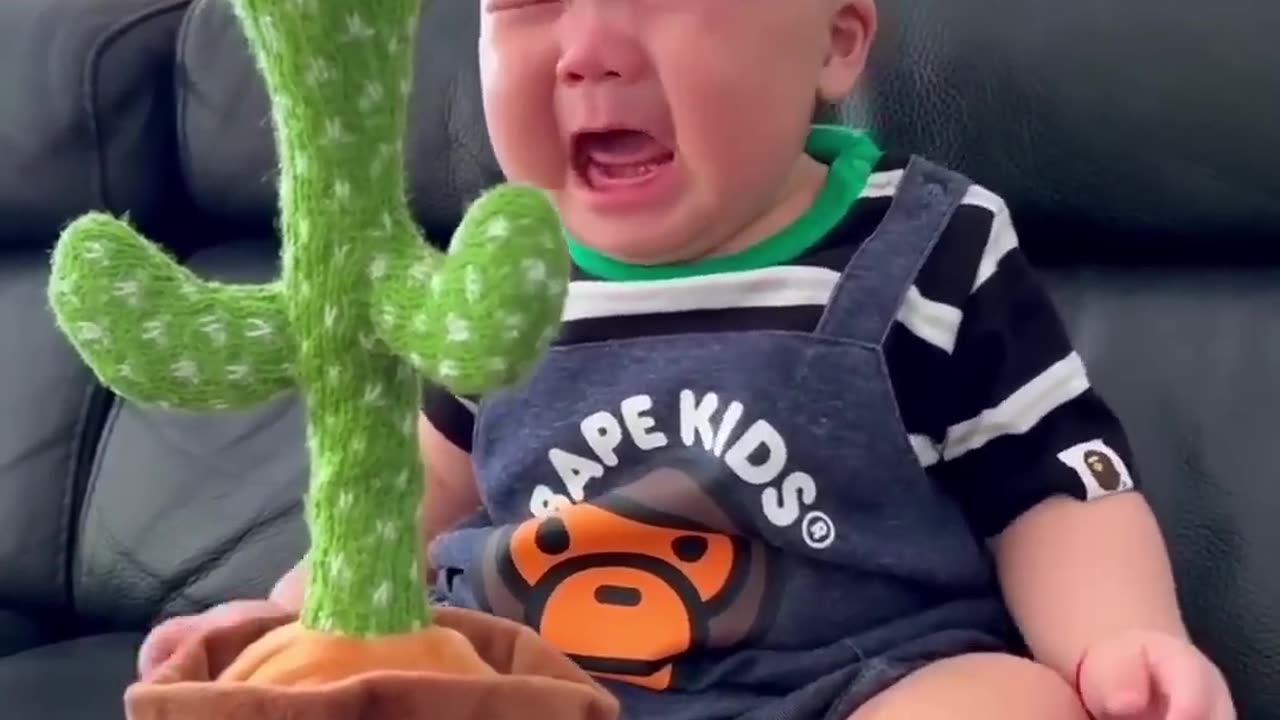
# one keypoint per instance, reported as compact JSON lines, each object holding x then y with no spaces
{"x":452,"y":416}
{"x":996,"y":400}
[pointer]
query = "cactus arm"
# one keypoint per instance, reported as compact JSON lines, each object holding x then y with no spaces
{"x":480,"y":316}
{"x":157,"y":334}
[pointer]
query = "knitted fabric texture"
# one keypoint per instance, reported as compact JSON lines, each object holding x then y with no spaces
{"x":362,"y":310}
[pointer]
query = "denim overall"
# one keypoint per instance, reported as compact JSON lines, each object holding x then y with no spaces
{"x":732,"y":524}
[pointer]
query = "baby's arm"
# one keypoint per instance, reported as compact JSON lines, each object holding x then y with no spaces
{"x":1075,"y":574}
{"x":452,"y":494}
{"x":1040,"y":463}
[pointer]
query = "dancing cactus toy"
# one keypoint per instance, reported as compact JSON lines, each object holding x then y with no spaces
{"x":362,"y":310}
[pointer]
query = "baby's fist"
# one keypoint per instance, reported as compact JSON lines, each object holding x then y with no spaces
{"x":1152,"y":676}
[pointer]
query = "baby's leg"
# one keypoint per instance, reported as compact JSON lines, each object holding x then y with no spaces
{"x":977,"y":687}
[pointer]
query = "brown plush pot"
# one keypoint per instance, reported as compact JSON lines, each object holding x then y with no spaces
{"x":534,"y":680}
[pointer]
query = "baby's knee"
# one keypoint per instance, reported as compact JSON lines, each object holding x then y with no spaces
{"x":978,"y":687}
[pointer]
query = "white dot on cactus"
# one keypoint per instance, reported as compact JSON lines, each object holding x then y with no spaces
{"x":90,"y":332}
{"x":498,"y":364}
{"x":220,"y":404}
{"x":257,"y":328}
{"x":415,"y":574}
{"x":238,"y":372}
{"x":357,"y":29}
{"x":474,"y":285}
{"x":129,"y":290}
{"x":214,"y":327}
{"x":535,"y":271}
{"x":342,"y":190}
{"x":373,"y":394}
{"x":333,"y":130}
{"x":153,"y":330}
{"x":371,"y":96}
{"x":386,"y":529}
{"x":459,"y":330}
{"x":378,"y":268}
{"x":124,"y":370}
{"x":334,"y":372}
{"x":338,"y":566}
{"x":345,"y":501}
{"x":330,"y":316}
{"x":497,"y":229}
{"x":368,"y":342}
{"x":437,"y":284}
{"x":382,"y":596}
{"x":189,"y":290}
{"x":421,"y":271}
{"x":421,"y":323}
{"x":185,"y":370}
{"x":448,"y":369}
{"x":388,"y":316}
{"x":93,"y":250}
{"x":409,"y":427}
{"x":318,"y":73}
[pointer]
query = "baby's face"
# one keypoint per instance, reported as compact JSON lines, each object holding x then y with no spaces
{"x":662,"y":127}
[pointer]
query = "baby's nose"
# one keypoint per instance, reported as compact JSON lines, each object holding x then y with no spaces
{"x":597,"y":47}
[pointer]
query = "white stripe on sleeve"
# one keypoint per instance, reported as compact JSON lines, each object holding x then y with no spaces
{"x":1024,"y":409}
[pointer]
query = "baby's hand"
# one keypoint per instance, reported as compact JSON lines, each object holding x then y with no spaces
{"x":173,"y":633}
{"x":1152,"y":676}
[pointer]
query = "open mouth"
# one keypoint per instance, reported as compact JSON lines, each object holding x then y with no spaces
{"x":620,"y":158}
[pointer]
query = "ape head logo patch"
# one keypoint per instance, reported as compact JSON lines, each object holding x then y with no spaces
{"x":1099,"y":468}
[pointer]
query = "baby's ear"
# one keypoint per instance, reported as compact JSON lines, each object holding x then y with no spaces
{"x":853,"y":28}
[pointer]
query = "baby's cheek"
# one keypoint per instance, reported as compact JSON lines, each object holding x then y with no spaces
{"x":526,"y":139}
{"x":519,"y":85}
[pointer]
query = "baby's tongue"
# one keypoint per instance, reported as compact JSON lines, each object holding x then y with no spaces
{"x":623,"y":147}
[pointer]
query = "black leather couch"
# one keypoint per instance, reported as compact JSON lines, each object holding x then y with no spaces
{"x":1138,"y":143}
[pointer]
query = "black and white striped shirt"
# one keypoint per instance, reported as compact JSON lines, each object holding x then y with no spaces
{"x":997,"y":403}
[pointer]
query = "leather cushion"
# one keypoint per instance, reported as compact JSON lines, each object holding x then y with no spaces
{"x":86,"y":113}
{"x":46,"y":398}
{"x":1142,"y":130}
{"x":82,"y":679}
{"x":1187,"y":358}
{"x":226,"y":141}
{"x":183,"y":511}
{"x":19,"y":632}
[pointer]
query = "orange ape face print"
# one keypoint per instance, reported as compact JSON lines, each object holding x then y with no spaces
{"x":629,"y":582}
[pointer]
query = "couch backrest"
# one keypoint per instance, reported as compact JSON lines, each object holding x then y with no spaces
{"x":228,"y":156}
{"x":1142,"y":131}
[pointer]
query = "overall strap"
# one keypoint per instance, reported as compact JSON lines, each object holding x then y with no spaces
{"x":867,"y":299}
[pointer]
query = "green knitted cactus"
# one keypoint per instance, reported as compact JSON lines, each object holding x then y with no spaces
{"x":362,"y":310}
